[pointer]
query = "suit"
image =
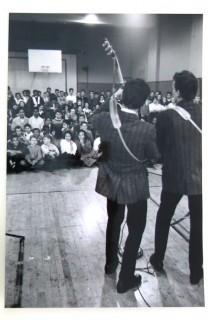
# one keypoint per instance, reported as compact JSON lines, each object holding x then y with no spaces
{"x":124,"y":181}
{"x":180,"y":145}
{"x":120,"y":177}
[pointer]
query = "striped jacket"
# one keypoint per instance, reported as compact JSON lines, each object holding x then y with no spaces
{"x":120,"y":177}
{"x":180,"y":145}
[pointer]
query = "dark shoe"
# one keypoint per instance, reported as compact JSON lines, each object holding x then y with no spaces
{"x":195,"y":278}
{"x":111,"y":268}
{"x":123,"y":287}
{"x":157,"y":265}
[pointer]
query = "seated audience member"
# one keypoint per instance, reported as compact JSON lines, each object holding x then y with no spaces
{"x":66,"y":112}
{"x":83,"y":97}
{"x":61,"y":99}
{"x":51,"y":108}
{"x":18,"y":98}
{"x":20,"y":120}
{"x":92,"y":100}
{"x":14,"y":110}
{"x":87,"y":111}
{"x":57,"y":93}
{"x":34,"y":158}
{"x":79,"y":110}
{"x":28,"y":105}
{"x":27,"y":133}
{"x":71,"y":96}
{"x":36,"y":121}
{"x":78,"y":95}
{"x":50,"y":153}
{"x":37,"y":100}
{"x":197,"y":100}
{"x":151,"y":96}
{"x":108,"y":94}
{"x":164,"y":101}
{"x":68,"y":150}
{"x":56,"y":137}
{"x":65,"y":127}
{"x":172,"y":104}
{"x":84,"y":149}
{"x":46,"y":98}
{"x":18,"y":132}
{"x":52,"y":96}
{"x":37,"y":135}
{"x":101,"y":99}
{"x":48,"y":122}
{"x":16,"y":152}
{"x":84,"y":126}
{"x":45,"y":131}
{"x":9,"y":93}
{"x":73,"y":116}
{"x":42,"y":112}
{"x":156,"y":106}
{"x":168,"y":96}
{"x":58,"y":120}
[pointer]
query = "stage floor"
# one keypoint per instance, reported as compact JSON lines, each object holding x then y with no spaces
{"x":60,"y":263}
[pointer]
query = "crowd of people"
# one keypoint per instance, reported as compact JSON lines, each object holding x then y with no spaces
{"x":53,"y":129}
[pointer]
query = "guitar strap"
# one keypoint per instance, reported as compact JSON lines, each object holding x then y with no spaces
{"x":186,"y":116}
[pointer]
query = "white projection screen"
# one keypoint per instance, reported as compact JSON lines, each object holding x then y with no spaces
{"x":45,"y":61}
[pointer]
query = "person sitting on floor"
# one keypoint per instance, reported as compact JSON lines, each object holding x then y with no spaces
{"x":34,"y":158}
{"x":68,"y":151}
{"x":20,"y":120}
{"x":50,"y":153}
{"x":27,"y":133}
{"x":16,"y":152}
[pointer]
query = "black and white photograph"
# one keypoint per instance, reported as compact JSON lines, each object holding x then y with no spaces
{"x":104,"y":161}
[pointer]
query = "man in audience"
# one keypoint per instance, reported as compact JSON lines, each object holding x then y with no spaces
{"x":20,"y":120}
{"x":37,"y":100}
{"x":36,"y":121}
{"x":16,"y":152}
{"x":71,"y":96}
{"x":34,"y":158}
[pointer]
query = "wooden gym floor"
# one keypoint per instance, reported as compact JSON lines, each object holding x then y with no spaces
{"x":60,"y":262}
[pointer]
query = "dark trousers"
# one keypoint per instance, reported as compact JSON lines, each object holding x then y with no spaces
{"x":165,"y":213}
{"x":136,"y":221}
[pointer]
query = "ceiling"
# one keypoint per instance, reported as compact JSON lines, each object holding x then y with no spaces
{"x":119,"y":20}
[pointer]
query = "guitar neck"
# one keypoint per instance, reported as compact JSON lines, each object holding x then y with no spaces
{"x":118,"y":70}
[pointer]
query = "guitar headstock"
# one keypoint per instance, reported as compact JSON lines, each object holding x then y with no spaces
{"x":108,"y":48}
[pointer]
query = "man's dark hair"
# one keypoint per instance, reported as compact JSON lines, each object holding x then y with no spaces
{"x":186,"y":83}
{"x":135,"y":93}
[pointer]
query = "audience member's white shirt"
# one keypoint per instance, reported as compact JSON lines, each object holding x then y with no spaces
{"x":153,"y":107}
{"x":72,"y":98}
{"x":96,"y":144}
{"x":36,"y":122}
{"x":68,"y":147}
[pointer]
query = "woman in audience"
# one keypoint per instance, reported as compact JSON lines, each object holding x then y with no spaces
{"x":18,"y":98}
{"x":50,"y":153}
{"x":27,"y":133}
{"x":37,"y":135}
{"x":85,"y":150}
{"x":68,"y":151}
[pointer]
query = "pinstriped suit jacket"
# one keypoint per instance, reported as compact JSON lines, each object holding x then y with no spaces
{"x":120,"y":177}
{"x":180,"y":145}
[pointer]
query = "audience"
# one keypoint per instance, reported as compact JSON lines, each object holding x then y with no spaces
{"x":53,"y":130}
